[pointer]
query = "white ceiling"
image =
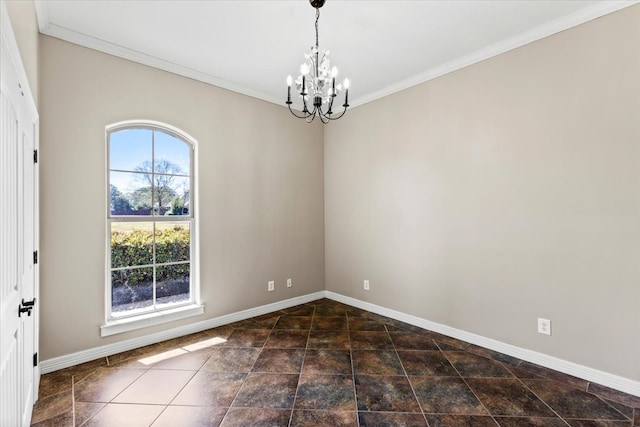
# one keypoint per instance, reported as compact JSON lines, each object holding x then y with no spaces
{"x":251,"y":46}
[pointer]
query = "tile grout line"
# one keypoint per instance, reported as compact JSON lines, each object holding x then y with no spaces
{"x":542,"y":377}
{"x":395,"y":349}
{"x":539,"y":398}
{"x":304,"y":356}
{"x":73,"y":401}
{"x":353,"y":370}
{"x":597,"y":396}
{"x":469,"y":387}
{"x":577,"y":388}
{"x":181,"y":389}
{"x":250,"y":369}
{"x":635,"y":410}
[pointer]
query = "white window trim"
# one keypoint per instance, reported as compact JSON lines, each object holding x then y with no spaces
{"x":127,"y":324}
{"x":114,"y":325}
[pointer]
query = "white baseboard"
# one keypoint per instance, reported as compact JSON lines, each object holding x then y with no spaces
{"x":589,"y":374}
{"x":79,"y":357}
{"x":616,"y":382}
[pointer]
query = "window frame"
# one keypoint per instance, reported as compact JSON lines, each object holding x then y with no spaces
{"x":153,"y":315}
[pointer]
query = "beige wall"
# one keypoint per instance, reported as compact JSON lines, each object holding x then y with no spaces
{"x":25,"y":27}
{"x":503,"y":192}
{"x":261,"y":190}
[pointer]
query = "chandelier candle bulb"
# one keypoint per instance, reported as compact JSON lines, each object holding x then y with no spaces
{"x":334,"y":74}
{"x":346,"y":93}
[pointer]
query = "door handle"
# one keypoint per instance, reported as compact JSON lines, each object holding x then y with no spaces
{"x":26,"y":307}
{"x":29,"y":303}
{"x":22,"y":309}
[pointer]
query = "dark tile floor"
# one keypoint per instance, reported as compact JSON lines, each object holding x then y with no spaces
{"x":323,"y":364}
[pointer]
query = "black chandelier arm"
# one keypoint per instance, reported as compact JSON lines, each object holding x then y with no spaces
{"x":300,"y":117}
{"x":310,"y":116}
{"x":331,"y":104}
{"x":332,"y":117}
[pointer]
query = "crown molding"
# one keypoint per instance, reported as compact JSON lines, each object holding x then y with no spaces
{"x":580,"y":17}
{"x":71,"y":36}
{"x":42,"y":15}
{"x":550,"y":28}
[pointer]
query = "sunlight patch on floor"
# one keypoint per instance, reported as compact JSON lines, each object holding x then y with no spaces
{"x":165,"y":355}
{"x":204,"y":344}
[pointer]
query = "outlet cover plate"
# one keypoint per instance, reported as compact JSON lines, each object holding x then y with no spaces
{"x":366,"y":285}
{"x":544,"y":326}
{"x":289,"y":283}
{"x":271,"y":285}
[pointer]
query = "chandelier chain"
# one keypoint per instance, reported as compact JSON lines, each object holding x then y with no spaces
{"x":317,"y":19}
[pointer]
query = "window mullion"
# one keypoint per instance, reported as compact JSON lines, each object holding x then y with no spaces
{"x":173,"y":263}
{"x":131,"y":267}
{"x":154,"y":266}
{"x":192,"y":253}
{"x":144,"y":173}
{"x":153,"y":174}
{"x":153,"y":189}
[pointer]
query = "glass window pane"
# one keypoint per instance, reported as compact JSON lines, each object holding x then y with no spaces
{"x":131,"y":289}
{"x":131,"y":244}
{"x":172,"y":283}
{"x":173,"y":242}
{"x":130,"y":150}
{"x":130,"y":193}
{"x":172,"y":195}
{"x":176,"y":152}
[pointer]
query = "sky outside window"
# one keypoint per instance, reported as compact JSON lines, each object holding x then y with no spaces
{"x":131,"y":149}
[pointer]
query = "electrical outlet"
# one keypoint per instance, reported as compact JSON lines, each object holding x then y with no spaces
{"x":271,"y":285}
{"x":289,"y":283}
{"x":366,"y":285}
{"x":544,"y":326}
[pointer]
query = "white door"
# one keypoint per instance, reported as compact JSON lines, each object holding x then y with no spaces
{"x":26,"y":218}
{"x":18,"y":234}
{"x":10,"y":292}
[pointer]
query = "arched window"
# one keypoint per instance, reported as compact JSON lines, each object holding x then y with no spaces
{"x":151,"y":225}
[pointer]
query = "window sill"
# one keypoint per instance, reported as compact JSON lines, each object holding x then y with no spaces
{"x":119,"y":326}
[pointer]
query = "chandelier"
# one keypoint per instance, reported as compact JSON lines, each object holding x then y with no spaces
{"x":317,"y":82}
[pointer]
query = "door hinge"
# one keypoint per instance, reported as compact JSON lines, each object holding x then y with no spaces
{"x":35,"y":156}
{"x":35,"y":359}
{"x":35,"y":257}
